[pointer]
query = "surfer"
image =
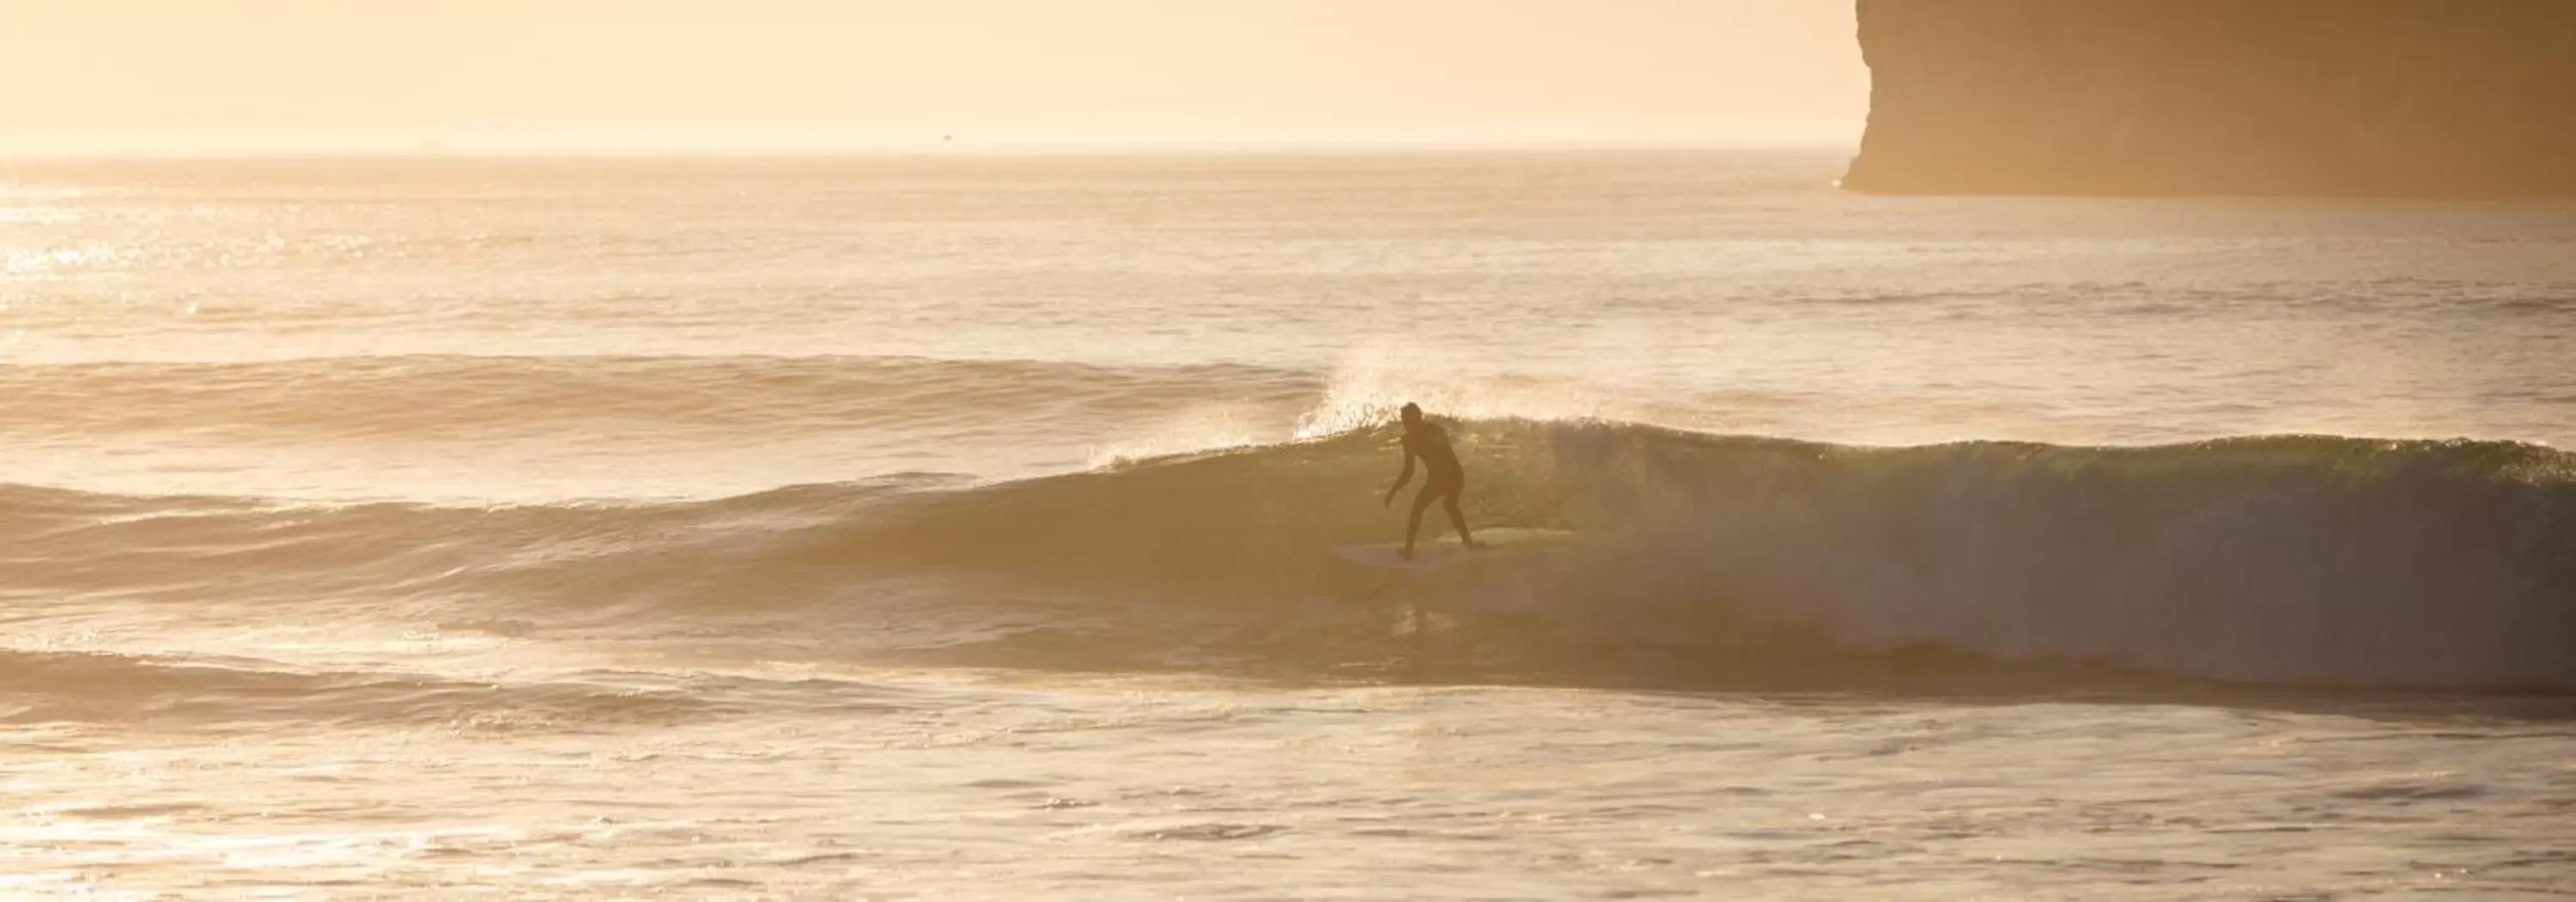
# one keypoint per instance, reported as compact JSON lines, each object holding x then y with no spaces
{"x":1442,"y":478}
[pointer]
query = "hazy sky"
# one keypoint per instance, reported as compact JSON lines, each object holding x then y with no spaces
{"x":259,"y":75}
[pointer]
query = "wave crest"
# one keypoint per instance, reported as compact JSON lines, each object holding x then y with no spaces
{"x":2289,"y":559}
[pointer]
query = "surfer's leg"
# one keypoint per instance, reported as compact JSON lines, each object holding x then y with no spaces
{"x":1413,"y":522}
{"x":1457,"y":520}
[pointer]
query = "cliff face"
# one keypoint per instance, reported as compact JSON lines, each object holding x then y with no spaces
{"x":2396,"y":98}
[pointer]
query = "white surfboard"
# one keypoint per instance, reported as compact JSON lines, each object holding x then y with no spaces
{"x":1502,"y":542}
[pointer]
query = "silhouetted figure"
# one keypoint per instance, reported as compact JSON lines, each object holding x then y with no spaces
{"x":1442,"y":478}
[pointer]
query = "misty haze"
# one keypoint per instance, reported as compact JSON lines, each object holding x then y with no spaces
{"x":1121,"y":449}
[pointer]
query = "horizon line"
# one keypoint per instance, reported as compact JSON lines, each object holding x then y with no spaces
{"x":833,"y":150}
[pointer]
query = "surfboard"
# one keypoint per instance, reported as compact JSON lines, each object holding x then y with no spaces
{"x":1502,"y":542}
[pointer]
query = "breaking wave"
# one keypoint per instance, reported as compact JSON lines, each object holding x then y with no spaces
{"x":1720,"y":559}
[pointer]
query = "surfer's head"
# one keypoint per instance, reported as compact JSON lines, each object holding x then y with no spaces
{"x":1412,"y":413}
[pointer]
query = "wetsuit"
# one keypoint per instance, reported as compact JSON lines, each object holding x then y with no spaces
{"x":1443,"y":480}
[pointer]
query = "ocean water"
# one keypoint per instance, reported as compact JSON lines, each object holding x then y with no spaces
{"x":961,"y":527}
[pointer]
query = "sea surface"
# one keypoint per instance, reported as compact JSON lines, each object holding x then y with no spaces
{"x":962,"y":527}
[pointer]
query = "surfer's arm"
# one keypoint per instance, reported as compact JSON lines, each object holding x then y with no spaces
{"x":1401,"y":478}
